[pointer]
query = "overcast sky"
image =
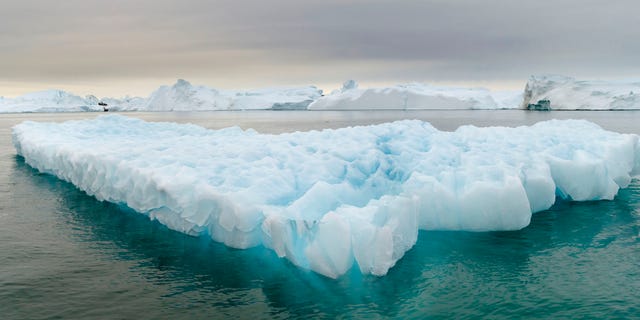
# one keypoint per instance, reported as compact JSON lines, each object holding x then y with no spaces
{"x":132,"y":46}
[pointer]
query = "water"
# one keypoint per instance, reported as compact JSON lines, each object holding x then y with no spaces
{"x":65,"y":255}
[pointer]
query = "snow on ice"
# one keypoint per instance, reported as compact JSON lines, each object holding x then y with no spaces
{"x":333,"y":199}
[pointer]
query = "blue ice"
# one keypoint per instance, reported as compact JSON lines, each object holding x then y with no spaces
{"x":333,"y":199}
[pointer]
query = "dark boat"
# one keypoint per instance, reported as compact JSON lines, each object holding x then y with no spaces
{"x":105,"y":107}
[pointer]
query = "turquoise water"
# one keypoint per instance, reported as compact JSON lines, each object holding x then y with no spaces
{"x":66,"y":255}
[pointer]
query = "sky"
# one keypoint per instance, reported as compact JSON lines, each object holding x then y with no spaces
{"x":130,"y":47}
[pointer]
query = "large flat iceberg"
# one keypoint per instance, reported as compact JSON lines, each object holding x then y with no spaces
{"x":415,"y":96}
{"x":328,"y":200}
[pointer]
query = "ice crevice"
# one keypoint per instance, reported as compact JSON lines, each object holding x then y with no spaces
{"x":333,"y":199}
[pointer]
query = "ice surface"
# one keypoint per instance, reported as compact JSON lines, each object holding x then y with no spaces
{"x":48,"y":101}
{"x":566,"y":93}
{"x":61,"y":101}
{"x":507,"y":99}
{"x":333,"y":199}
{"x":415,"y":96}
{"x":182,"y":96}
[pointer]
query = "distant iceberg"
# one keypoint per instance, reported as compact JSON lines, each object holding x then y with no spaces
{"x":62,"y":101}
{"x":182,"y":96}
{"x":560,"y":92}
{"x":333,"y":199}
{"x":566,"y":93}
{"x":415,"y":96}
{"x":49,"y":101}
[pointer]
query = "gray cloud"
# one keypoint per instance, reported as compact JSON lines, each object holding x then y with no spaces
{"x":276,"y":42}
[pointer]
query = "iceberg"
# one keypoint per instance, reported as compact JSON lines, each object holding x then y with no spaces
{"x":62,"y":101}
{"x":561,"y":92}
{"x":49,"y":101}
{"x":566,"y":93}
{"x":415,"y":96}
{"x":182,"y":96}
{"x":333,"y":200}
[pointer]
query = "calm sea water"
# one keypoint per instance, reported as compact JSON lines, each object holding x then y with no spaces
{"x":66,"y":255}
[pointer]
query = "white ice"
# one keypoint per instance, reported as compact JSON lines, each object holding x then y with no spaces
{"x":416,"y":96}
{"x":182,"y":96}
{"x":333,"y":199}
{"x":62,"y":101}
{"x":566,"y":93}
{"x":49,"y":101}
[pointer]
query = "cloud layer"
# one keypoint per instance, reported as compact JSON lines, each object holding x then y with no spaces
{"x":238,"y":43}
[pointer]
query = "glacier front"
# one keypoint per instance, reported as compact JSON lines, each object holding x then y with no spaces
{"x":333,"y":199}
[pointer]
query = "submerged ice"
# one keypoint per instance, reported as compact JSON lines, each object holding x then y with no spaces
{"x":328,"y":200}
